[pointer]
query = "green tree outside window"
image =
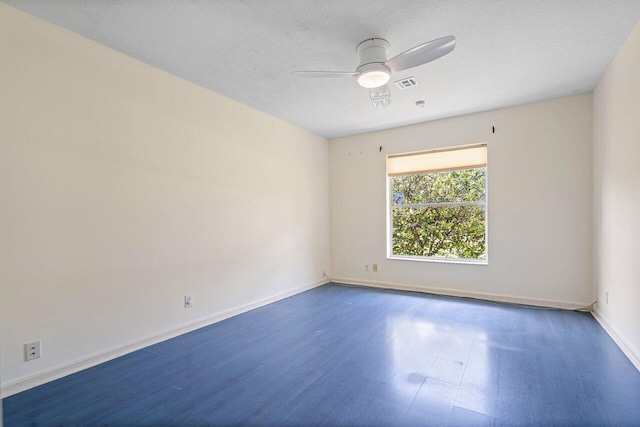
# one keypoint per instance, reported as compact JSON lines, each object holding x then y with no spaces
{"x":439,"y":214}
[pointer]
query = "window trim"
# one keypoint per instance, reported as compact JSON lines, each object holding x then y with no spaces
{"x":434,"y":259}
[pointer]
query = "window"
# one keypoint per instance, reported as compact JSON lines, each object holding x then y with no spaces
{"x":438,"y":204}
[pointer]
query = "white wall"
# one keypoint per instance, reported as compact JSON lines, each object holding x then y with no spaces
{"x":123,"y":188}
{"x":617,"y":195}
{"x":539,"y":204}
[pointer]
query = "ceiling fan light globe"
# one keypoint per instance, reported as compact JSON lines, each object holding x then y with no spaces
{"x":373,"y":79}
{"x":380,"y":97}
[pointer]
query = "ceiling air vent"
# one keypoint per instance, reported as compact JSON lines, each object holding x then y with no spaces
{"x":405,"y":83}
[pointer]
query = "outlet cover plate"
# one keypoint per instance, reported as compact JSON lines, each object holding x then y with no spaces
{"x":32,"y":351}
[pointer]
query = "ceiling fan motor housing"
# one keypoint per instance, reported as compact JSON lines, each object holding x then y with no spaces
{"x":372,"y":51}
{"x":373,"y":55}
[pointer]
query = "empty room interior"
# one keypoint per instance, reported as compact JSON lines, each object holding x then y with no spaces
{"x":319,"y":213}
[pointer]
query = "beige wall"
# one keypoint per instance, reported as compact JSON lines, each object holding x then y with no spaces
{"x":539,"y":204}
{"x":123,"y":188}
{"x":617,"y":195}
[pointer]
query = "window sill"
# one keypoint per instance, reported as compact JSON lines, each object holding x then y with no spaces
{"x":440,"y":260}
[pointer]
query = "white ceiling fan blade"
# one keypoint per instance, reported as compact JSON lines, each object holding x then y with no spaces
{"x":422,"y":54}
{"x":323,"y":74}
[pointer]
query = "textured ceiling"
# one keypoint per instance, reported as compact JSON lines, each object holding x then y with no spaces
{"x":508,"y":52}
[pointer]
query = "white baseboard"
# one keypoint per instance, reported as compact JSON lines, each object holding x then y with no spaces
{"x":42,"y":377}
{"x":618,"y":338}
{"x":467,"y":294}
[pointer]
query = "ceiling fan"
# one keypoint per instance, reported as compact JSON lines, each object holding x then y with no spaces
{"x":374,"y":70}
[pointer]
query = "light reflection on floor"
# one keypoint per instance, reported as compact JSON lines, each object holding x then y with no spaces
{"x":422,"y":350}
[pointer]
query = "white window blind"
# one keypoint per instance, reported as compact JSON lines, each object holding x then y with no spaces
{"x":468,"y":157}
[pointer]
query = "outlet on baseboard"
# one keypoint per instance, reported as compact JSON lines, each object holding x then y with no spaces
{"x":188,"y":301}
{"x":366,"y":267}
{"x":31,"y":351}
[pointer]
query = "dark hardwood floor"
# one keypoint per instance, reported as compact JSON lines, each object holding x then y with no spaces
{"x":339,"y":355}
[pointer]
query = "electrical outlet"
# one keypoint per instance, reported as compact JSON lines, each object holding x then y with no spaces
{"x":188,"y":301}
{"x":375,"y":267}
{"x":366,"y":267}
{"x":606,"y":297}
{"x":32,"y":351}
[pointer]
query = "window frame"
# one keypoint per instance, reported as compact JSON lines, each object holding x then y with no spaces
{"x":436,"y":259}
